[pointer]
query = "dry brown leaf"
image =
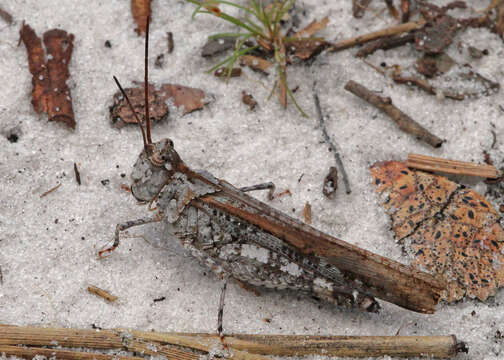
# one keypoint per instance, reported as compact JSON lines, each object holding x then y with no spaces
{"x":434,"y":39}
{"x":50,"y":92}
{"x":314,"y":27}
{"x":449,"y":230}
{"x":306,"y":48}
{"x":140,"y":9}
{"x":181,"y":96}
{"x":255,"y":63}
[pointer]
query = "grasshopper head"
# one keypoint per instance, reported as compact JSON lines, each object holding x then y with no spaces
{"x":153,"y":169}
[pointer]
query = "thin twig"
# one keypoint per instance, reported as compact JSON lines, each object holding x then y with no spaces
{"x":77,"y":174}
{"x":405,"y":123}
{"x":362,"y":39}
{"x":386,"y":43}
{"x":430,"y":163}
{"x":331,"y":144}
{"x":50,"y":190}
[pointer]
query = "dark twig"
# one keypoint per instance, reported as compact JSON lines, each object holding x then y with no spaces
{"x":404,"y":122}
{"x":77,"y":174}
{"x":171,"y":45}
{"x":385,"y":44}
{"x":50,"y":190}
{"x":331,"y":144}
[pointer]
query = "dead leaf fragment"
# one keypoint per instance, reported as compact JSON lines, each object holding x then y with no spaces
{"x":306,"y":48}
{"x":186,"y":98}
{"x":140,"y":9}
{"x":449,"y":230}
{"x":255,"y":63}
{"x":50,"y":92}
{"x":330,"y":182}
{"x":314,"y":27}
{"x":439,"y":35}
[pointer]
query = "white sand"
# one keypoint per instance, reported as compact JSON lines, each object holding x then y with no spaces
{"x":48,"y":245}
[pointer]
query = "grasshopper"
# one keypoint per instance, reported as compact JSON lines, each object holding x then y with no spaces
{"x":240,"y":237}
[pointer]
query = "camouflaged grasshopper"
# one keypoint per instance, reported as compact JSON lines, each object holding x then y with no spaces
{"x":240,"y":237}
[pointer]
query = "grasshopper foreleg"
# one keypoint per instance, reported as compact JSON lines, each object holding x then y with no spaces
{"x":124,"y":226}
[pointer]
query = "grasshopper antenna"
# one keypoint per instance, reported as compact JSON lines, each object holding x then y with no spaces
{"x":146,"y":82}
{"x":134,"y":112}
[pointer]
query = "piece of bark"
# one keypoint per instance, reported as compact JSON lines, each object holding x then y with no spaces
{"x":249,"y":100}
{"x":386,"y":43}
{"x":256,"y":63}
{"x":187,"y":98}
{"x":405,"y":123}
{"x":6,"y":16}
{"x":314,"y":27}
{"x":50,"y":92}
{"x":448,"y":230}
{"x":140,"y":9}
{"x":330,"y":182}
{"x":223,"y":72}
{"x":359,"y":7}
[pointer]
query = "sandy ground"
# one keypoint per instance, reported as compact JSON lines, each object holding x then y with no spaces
{"x":48,"y":245}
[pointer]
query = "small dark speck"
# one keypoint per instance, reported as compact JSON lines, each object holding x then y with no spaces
{"x":457,"y":236}
{"x":438,"y":235}
{"x":83,"y":238}
{"x":108,"y":44}
{"x":403,"y":187}
{"x":470,"y":214}
{"x":453,"y":217}
{"x":464,"y":234}
{"x":162,"y":298}
{"x":404,"y":172}
{"x":483,"y":204}
{"x":123,"y":175}
{"x":377,"y":182}
{"x":471,"y":276}
{"x":13,"y":138}
{"x":421,"y":187}
{"x":105,"y":182}
{"x":494,"y":243}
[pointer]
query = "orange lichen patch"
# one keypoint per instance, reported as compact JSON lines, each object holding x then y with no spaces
{"x":450,"y":231}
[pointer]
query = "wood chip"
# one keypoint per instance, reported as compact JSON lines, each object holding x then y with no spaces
{"x":307,"y":213}
{"x":50,"y":92}
{"x":304,"y":49}
{"x":223,"y":72}
{"x":140,"y":9}
{"x":186,"y":98}
{"x":437,"y":37}
{"x":449,"y":230}
{"x":256,"y":63}
{"x":77,"y":174}
{"x":101,"y":293}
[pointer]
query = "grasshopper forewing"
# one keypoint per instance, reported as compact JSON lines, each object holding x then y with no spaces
{"x":240,"y":237}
